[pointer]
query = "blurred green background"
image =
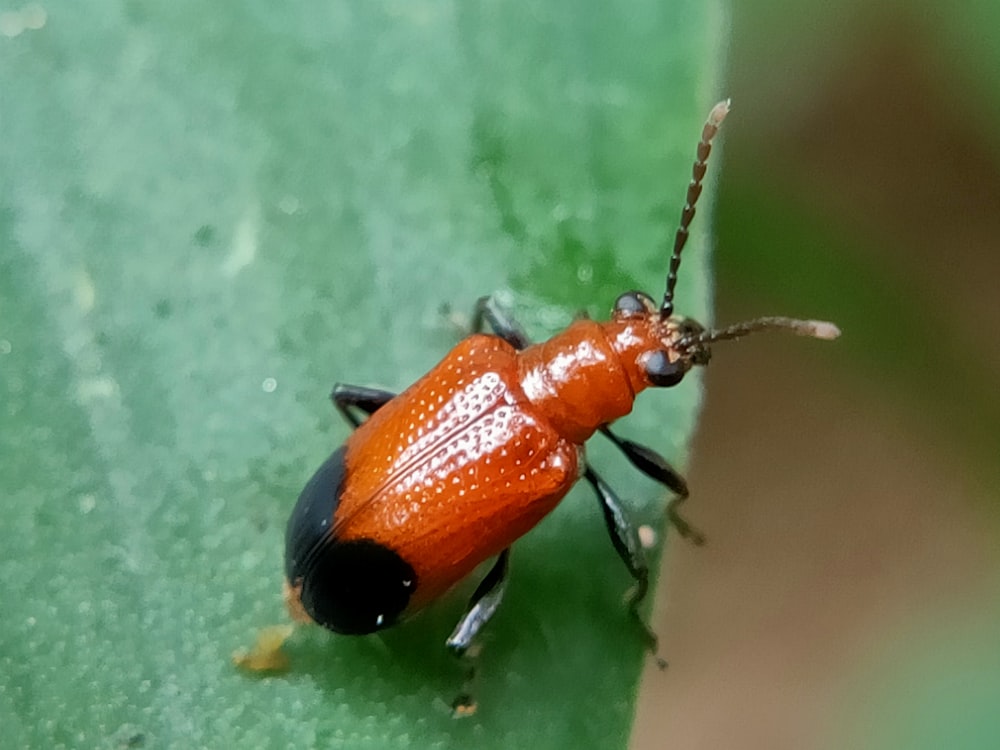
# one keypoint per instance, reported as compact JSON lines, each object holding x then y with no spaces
{"x":850,"y":595}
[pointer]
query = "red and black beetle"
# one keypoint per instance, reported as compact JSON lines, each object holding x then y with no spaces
{"x":456,"y":468}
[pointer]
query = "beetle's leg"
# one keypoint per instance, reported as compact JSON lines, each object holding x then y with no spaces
{"x":655,"y":466}
{"x":487,"y":312}
{"x":678,"y":521}
{"x":649,"y":462}
{"x":368,"y":400}
{"x":482,"y":606}
{"x":626,"y":543}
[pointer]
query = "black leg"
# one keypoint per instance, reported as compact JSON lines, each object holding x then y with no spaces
{"x":367,"y":400}
{"x":487,"y":312}
{"x":482,"y":606}
{"x":655,"y":466}
{"x":626,"y":544}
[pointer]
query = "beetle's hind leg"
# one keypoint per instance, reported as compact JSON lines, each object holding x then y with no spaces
{"x":347,"y":398}
{"x":482,"y":606}
{"x":655,"y":466}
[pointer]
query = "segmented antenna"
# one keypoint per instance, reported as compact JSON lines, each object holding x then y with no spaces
{"x":715,"y":118}
{"x":818,"y":329}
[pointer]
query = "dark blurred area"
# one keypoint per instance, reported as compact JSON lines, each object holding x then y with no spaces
{"x":850,"y":592}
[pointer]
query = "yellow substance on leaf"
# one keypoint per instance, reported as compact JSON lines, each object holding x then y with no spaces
{"x":266,"y":654}
{"x":464,"y":707}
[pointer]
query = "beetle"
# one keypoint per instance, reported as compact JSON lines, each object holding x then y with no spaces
{"x":451,"y":472}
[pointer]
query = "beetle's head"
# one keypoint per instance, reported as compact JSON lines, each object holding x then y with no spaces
{"x":662,"y":358}
{"x":673,"y":344}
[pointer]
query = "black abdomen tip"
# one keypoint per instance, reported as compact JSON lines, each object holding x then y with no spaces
{"x":353,"y":586}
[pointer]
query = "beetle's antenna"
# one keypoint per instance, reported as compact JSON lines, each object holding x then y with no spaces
{"x":818,"y":329}
{"x":715,"y":118}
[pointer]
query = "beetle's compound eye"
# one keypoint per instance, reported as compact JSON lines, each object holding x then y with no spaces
{"x":634,"y":304}
{"x":661,"y":371}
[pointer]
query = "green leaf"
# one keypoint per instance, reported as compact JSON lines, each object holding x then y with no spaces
{"x":209,"y":215}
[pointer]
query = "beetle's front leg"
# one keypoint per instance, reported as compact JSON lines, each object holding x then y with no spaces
{"x":656,"y":467}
